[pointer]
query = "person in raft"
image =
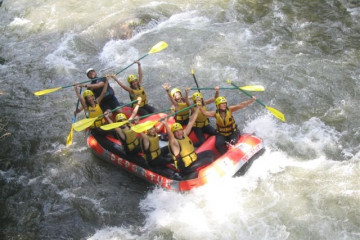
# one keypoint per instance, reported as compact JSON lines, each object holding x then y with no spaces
{"x":201,"y":124}
{"x":179,"y":102}
{"x":137,"y":90}
{"x":92,"y":106}
{"x":182,"y":150}
{"x":153,"y":154}
{"x":96,"y":86}
{"x":227,"y":131}
{"x":128,"y":137}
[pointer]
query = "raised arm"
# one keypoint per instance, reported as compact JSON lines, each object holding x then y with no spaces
{"x":81,"y":99}
{"x":139,"y":72}
{"x":135,"y":111}
{"x":242,"y":105}
{"x":166,"y":86}
{"x":211,"y":100}
{"x":193,"y":117}
{"x":172,"y":141}
{"x":126,"y":88}
{"x":187,"y":89}
{"x":103,"y":92}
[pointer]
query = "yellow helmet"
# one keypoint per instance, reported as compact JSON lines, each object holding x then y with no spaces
{"x":220,"y":100}
{"x":196,"y":95}
{"x":88,"y":93}
{"x":175,"y":90}
{"x":132,"y":78}
{"x":120,"y":117}
{"x":176,"y":127}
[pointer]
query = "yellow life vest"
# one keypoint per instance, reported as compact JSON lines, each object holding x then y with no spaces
{"x":187,"y":152}
{"x":227,"y":125}
{"x":201,"y":120}
{"x":94,"y":112}
{"x":154,"y":149}
{"x":139,"y":93}
{"x":131,"y":141}
{"x":182,"y":115}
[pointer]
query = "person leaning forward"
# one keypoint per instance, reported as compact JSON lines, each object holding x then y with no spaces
{"x":183,"y":151}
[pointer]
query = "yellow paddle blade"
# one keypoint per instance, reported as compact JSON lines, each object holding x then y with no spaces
{"x":113,"y":125}
{"x":142,"y":127}
{"x":253,"y":88}
{"x":228,"y":81}
{"x":276,"y":113}
{"x":70,"y":136}
{"x":158,"y":47}
{"x":83,"y":124}
{"x":46,"y":91}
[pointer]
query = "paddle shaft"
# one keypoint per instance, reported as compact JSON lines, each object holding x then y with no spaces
{"x":209,"y":88}
{"x":248,"y":94}
{"x":77,"y":107}
{"x":197,"y":85}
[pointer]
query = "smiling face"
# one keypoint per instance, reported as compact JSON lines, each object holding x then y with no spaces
{"x":90,"y":100}
{"x":179,"y":134}
{"x":222,"y":106}
{"x":177,"y":96}
{"x":152,"y":131}
{"x":135,"y":84}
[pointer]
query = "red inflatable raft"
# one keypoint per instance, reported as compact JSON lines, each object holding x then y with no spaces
{"x":227,"y":165}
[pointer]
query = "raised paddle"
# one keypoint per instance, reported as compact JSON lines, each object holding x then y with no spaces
{"x":142,"y":127}
{"x":70,"y":136}
{"x":273,"y":111}
{"x":197,"y":85}
{"x":251,"y":88}
{"x":156,"y":48}
{"x":87,"y":122}
{"x":119,"y":124}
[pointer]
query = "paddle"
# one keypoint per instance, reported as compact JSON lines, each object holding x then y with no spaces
{"x":119,"y":124}
{"x":87,"y":122}
{"x":197,"y":85}
{"x":142,"y":127}
{"x":274,"y":111}
{"x":251,"y":88}
{"x":156,"y":48}
{"x":70,"y":136}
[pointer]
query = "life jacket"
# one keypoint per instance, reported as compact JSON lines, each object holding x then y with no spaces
{"x":131,"y":141}
{"x":187,"y":153}
{"x":182,"y":115}
{"x":201,"y":120}
{"x":138,"y":93}
{"x":94,"y":112}
{"x":154,"y":150}
{"x":227,"y":125}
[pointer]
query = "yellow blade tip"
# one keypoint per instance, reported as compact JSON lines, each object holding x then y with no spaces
{"x":228,"y":81}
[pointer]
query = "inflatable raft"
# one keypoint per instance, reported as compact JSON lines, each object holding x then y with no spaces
{"x":227,"y":165}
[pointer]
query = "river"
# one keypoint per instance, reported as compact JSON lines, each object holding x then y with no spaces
{"x":305,"y":53}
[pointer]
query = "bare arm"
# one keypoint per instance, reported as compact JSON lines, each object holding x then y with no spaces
{"x":139,"y":72}
{"x":81,"y":99}
{"x":241,"y":105}
{"x":211,"y":100}
{"x":208,"y":113}
{"x":166,"y":86}
{"x":136,"y":109}
{"x":103,"y":92}
{"x":145,"y":140}
{"x":126,"y":88}
{"x":172,"y":141}
{"x":187,"y":89}
{"x":193,"y":117}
